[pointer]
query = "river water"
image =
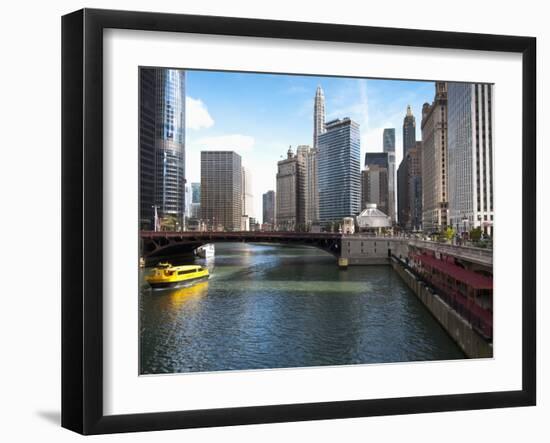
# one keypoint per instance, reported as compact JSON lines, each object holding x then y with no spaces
{"x":270,"y":306}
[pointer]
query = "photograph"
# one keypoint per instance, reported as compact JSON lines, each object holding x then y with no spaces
{"x":298,"y":221}
{"x":275,"y":221}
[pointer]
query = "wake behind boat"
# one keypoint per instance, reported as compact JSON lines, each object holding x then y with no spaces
{"x":167,"y":276}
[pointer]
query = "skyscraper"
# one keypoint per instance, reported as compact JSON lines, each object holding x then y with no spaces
{"x":414,"y":171}
{"x":409,"y":189}
{"x":195,"y":192}
{"x":195,"y":200}
{"x":377,"y":158}
{"x":221,"y":190}
{"x":470,"y":148}
{"x":268,"y":207}
{"x":147,"y":109}
{"x":339,"y":170}
{"x":409,"y":131}
{"x":389,"y":147}
{"x":373,"y":191}
{"x":435,"y":162}
{"x":290,"y":203}
{"x":309,"y":156}
{"x":403,"y":208}
{"x":247,"y":192}
{"x":162,"y":145}
{"x":187,"y":200}
{"x":374,"y":187}
{"x":388,"y":140}
{"x":318,"y":116}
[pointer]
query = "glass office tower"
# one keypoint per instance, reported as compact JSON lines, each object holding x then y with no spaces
{"x":339,"y":171}
{"x":377,"y":158}
{"x":162,"y":145}
{"x":147,"y":108}
{"x":268,"y":207}
{"x":389,"y":139}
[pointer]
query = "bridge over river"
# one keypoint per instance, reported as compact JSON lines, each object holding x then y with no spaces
{"x":161,"y":244}
{"x":354,"y":249}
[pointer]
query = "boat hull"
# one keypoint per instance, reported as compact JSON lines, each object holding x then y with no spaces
{"x":175,"y":284}
{"x":167,"y":276}
{"x":205,"y":251}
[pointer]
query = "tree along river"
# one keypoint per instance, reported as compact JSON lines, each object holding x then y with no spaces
{"x":274,"y":306}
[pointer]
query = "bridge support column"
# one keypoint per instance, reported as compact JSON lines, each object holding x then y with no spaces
{"x":343,"y":262}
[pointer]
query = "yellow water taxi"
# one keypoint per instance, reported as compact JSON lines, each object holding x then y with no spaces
{"x":167,"y":276}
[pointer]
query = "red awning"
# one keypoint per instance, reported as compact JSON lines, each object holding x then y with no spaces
{"x":470,"y":278}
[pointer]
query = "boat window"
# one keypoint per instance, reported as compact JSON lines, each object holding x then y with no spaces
{"x":186,"y":272}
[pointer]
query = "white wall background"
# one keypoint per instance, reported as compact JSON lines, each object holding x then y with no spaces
{"x":30,"y":142}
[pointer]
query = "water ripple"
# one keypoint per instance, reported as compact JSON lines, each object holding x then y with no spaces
{"x":275,"y":307}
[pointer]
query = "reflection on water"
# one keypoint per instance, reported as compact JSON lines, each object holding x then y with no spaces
{"x":190,"y":296}
{"x":268,"y":306}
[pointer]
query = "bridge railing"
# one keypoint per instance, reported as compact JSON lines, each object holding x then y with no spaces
{"x":481,"y":255}
{"x":238,"y":234}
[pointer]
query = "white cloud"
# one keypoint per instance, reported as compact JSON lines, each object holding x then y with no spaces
{"x":297,"y":89}
{"x":353,"y":99}
{"x":364,"y":103}
{"x":371,"y":139}
{"x":197,"y":115}
{"x":351,"y":102}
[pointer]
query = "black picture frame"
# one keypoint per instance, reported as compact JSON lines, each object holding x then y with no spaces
{"x":82,"y":215}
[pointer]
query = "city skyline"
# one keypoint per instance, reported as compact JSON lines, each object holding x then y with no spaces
{"x":276,"y":111}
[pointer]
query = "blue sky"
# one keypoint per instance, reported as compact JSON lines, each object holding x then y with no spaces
{"x":260,"y":115}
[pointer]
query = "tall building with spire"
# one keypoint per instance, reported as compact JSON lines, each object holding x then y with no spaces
{"x":409,"y":131}
{"x":318,"y":116}
{"x":389,"y":147}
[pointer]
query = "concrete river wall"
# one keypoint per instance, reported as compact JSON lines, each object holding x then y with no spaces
{"x":473,"y":345}
{"x":365,"y":250}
